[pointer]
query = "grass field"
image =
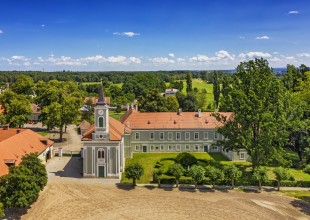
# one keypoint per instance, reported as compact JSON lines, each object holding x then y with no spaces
{"x":149,"y":160}
{"x":300,"y":194}
{"x":116,"y":115}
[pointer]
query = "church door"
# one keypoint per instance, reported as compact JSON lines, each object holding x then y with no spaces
{"x":101,"y":171}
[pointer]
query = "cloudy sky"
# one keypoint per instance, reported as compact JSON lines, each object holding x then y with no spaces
{"x":152,"y":35}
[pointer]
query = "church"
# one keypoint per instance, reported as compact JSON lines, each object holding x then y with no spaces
{"x":103,"y":144}
{"x":108,"y":142}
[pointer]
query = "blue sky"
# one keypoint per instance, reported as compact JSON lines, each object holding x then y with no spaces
{"x":152,"y":35}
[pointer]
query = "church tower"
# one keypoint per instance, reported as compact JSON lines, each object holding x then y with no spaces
{"x":101,"y":118}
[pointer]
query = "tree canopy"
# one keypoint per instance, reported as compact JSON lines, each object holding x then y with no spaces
{"x":258,"y":100}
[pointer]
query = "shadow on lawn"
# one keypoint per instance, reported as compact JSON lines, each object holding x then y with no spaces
{"x":302,"y":206}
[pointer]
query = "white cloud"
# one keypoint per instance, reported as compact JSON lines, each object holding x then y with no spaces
{"x":262,"y":37}
{"x":161,"y":60}
{"x":1,"y":31}
{"x":43,"y":25}
{"x":180,"y":60}
{"x":293,"y":12}
{"x":97,"y":58}
{"x":220,"y":56}
{"x":128,"y":34}
{"x":241,"y":37}
{"x":303,"y":55}
{"x":116,"y":59}
{"x":20,"y":58}
{"x":135,"y":60}
{"x":251,"y":55}
{"x":290,"y":58}
{"x":171,"y":54}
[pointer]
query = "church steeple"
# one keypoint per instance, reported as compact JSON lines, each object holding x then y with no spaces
{"x":101,"y":96}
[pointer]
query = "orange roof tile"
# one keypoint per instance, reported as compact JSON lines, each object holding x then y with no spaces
{"x":7,"y":133}
{"x":16,"y":146}
{"x":117,"y":130}
{"x":84,"y":125}
{"x":172,"y":120}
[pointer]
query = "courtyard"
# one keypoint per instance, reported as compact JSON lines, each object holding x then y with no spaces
{"x":69,"y":196}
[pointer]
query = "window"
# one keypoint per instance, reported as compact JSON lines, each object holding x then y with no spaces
{"x":205,"y":135}
{"x":215,"y":135}
{"x":187,"y":136}
{"x":151,"y":135}
{"x":178,"y":136}
{"x":161,"y":136}
{"x":137,"y":147}
{"x":137,"y":135}
{"x":169,"y":147}
{"x":170,"y":136}
{"x":241,"y":156}
{"x":178,"y":148}
{"x":196,"y":147}
{"x":157,"y":147}
{"x":214,"y":148}
{"x":152,"y":148}
{"x":196,"y":135}
{"x":161,"y":147}
{"x":100,"y":120}
{"x":187,"y":147}
{"x":100,"y":154}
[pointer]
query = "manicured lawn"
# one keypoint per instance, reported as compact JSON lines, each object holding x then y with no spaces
{"x":300,"y":194}
{"x":116,"y":115}
{"x":148,"y":161}
{"x":43,"y":133}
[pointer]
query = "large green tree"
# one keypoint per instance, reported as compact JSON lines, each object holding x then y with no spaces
{"x":258,"y":124}
{"x":216,"y":89}
{"x":153,"y":102}
{"x":16,"y":108}
{"x":197,"y":173}
{"x":232,"y":174}
{"x":189,"y":85}
{"x":24,"y":85}
{"x":60,"y":102}
{"x":214,"y":174}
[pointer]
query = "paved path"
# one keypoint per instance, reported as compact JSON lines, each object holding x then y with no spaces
{"x":72,"y":140}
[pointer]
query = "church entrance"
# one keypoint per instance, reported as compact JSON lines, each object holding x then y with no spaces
{"x":100,"y":171}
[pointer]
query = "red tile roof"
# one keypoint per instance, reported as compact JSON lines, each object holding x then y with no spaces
{"x":84,"y":125}
{"x":172,"y":120}
{"x":13,"y":148}
{"x":116,"y":129}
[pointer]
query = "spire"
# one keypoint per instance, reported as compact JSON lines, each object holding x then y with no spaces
{"x":101,"y":96}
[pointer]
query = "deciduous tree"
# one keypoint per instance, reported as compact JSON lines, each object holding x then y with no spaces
{"x":258,"y":100}
{"x":197,"y":173}
{"x":134,"y":171}
{"x":177,"y":171}
{"x":260,"y":175}
{"x":232,"y":174}
{"x":281,"y":174}
{"x":214,"y":174}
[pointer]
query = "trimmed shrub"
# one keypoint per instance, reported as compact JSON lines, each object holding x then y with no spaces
{"x":186,"y":160}
{"x":307,"y":169}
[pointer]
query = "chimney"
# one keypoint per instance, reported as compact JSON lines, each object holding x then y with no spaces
{"x":180,"y":111}
{"x":18,"y":131}
{"x":6,"y":127}
{"x":199,"y":113}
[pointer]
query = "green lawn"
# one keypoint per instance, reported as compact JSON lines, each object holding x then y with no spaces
{"x":43,"y":133}
{"x":116,"y":115}
{"x":300,"y":194}
{"x":148,"y":161}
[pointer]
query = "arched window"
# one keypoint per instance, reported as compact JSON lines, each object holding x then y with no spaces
{"x":100,"y":154}
{"x":100,"y":122}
